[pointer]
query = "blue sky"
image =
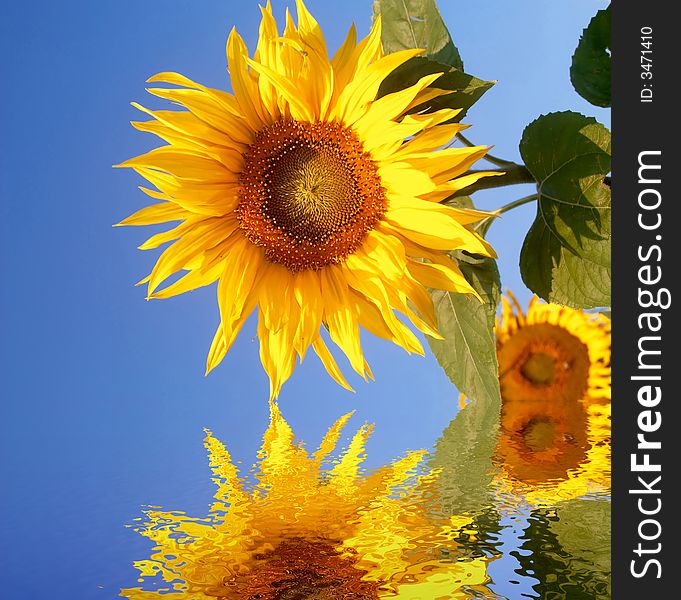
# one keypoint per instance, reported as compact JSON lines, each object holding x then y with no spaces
{"x":104,"y":393}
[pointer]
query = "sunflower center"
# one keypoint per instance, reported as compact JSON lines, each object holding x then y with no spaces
{"x":543,"y":362}
{"x":299,"y":569}
{"x":539,"y":368}
{"x":542,"y":440}
{"x":539,"y":435}
{"x":308,"y":194}
{"x":312,"y":192}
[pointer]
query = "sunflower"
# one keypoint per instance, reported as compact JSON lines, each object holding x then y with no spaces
{"x":306,"y":196}
{"x":554,"y":374}
{"x":309,"y":527}
{"x":552,"y":353}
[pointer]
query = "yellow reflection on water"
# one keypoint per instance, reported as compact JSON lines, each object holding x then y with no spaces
{"x":548,"y":452}
{"x":312,"y":526}
{"x":554,"y":431}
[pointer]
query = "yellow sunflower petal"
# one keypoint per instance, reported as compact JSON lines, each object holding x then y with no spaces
{"x":329,"y":362}
{"x":340,"y":317}
{"x":433,"y":229}
{"x":353,"y":100}
{"x":156,"y":213}
{"x":390,"y":107}
{"x":223,"y":113}
{"x":245,"y":88}
{"x":178,"y":255}
{"x":238,"y":279}
{"x":307,"y":292}
{"x":441,"y":277}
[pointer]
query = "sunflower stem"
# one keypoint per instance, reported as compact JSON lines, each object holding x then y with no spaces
{"x":519,"y":202}
{"x":486,"y":223}
{"x":512,"y":174}
{"x":495,"y":160}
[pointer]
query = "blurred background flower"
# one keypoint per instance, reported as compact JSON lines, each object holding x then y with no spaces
{"x":554,"y":371}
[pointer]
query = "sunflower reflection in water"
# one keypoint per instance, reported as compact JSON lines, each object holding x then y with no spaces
{"x":554,"y":374}
{"x":308,"y":198}
{"x":310,"y":527}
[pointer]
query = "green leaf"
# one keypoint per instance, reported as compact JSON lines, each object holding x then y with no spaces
{"x":482,"y":273}
{"x":468,"y":352}
{"x":590,"y":70}
{"x":567,"y":550}
{"x":566,"y":255}
{"x":465,"y":89}
{"x":416,"y":24}
{"x":464,"y":455}
{"x":582,"y":528}
{"x":468,"y":356}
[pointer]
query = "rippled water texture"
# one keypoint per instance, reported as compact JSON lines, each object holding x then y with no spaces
{"x":538,"y":481}
{"x":503,"y":507}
